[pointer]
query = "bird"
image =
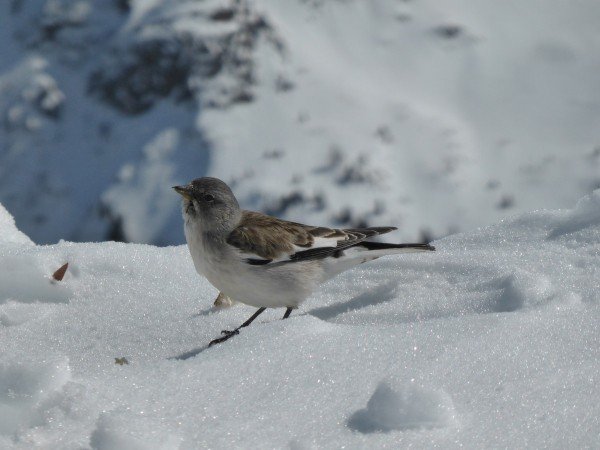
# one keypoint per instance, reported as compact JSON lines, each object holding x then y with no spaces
{"x":266,"y":262}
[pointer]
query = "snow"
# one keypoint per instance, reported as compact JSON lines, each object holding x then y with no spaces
{"x":414,"y":407}
{"x":10,"y":233}
{"x":438,"y":117}
{"x":490,"y":342}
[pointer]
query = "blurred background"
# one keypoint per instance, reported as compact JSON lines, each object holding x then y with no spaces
{"x":437,"y":117}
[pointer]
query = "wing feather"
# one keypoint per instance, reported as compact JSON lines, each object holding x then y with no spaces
{"x":263,"y":239}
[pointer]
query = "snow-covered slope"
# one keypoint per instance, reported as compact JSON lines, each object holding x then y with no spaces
{"x":490,"y":342}
{"x":435,"y":116}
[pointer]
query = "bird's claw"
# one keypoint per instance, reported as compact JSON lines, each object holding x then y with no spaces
{"x":230,"y":332}
{"x":217,"y":341}
{"x":226,"y":335}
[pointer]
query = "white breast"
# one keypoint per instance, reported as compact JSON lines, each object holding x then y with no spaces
{"x":222,"y":265}
{"x":206,"y":261}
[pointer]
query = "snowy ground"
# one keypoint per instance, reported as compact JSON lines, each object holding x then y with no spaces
{"x":491,"y":342}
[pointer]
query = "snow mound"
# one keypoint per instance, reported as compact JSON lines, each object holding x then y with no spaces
{"x":26,"y":270}
{"x":26,"y":277}
{"x":586,"y":214}
{"x":412,"y":407}
{"x":9,"y":234}
{"x":517,"y":290}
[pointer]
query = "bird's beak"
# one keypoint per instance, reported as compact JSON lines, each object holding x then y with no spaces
{"x":184,"y":191}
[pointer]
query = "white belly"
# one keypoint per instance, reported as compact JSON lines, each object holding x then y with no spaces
{"x":285,"y":285}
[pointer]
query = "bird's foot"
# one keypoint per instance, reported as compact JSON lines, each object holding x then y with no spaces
{"x":230,"y":333}
{"x":227,"y":334}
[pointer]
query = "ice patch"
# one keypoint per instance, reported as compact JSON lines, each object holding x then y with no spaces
{"x":413,"y":407}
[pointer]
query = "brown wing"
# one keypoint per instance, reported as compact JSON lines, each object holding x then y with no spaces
{"x":269,"y":238}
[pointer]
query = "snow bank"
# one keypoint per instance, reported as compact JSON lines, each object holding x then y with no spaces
{"x":492,"y":341}
{"x":27,"y":278}
{"x":26,"y":270}
{"x":586,"y":214}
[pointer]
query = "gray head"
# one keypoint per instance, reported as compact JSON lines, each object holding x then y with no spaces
{"x":209,"y":202}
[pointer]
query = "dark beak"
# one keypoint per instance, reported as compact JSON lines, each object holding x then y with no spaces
{"x":184,"y":191}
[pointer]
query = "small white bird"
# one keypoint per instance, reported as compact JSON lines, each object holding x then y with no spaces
{"x":266,"y":262}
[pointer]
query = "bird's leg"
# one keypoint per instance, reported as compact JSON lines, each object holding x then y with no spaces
{"x":228,"y":333}
{"x":258,"y":312}
{"x":288,"y":311}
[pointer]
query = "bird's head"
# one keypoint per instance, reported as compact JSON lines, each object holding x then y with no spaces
{"x":209,"y":203}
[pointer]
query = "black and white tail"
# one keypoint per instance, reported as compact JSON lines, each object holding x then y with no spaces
{"x":401,"y":248}
{"x":365,"y":251}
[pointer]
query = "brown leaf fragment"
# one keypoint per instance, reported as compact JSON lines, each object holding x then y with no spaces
{"x":60,"y":273}
{"x":121,"y":361}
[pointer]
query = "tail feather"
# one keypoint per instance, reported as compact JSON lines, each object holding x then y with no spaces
{"x":368,"y":251}
{"x":407,"y":247}
{"x":371,"y":231}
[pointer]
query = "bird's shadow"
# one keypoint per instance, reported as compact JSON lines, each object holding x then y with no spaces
{"x":196,"y":351}
{"x":189,"y":354}
{"x":206,"y":312}
{"x":379,"y":294}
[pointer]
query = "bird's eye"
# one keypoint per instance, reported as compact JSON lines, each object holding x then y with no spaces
{"x":208,"y":198}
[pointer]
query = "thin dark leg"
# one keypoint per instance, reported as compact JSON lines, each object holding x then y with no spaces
{"x":228,"y":334}
{"x":258,"y":312}
{"x":287,"y":313}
